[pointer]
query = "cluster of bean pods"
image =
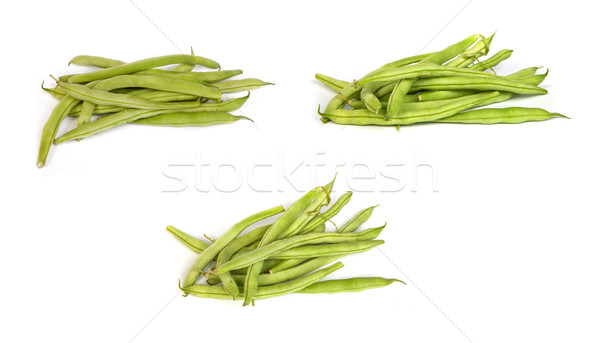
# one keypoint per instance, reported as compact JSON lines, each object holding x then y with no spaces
{"x":141,"y":92}
{"x":443,"y":87}
{"x":290,"y":255}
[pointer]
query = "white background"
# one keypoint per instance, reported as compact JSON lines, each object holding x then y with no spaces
{"x":506,"y":249}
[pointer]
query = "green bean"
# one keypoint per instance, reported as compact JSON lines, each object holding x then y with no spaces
{"x":405,"y":83}
{"x":58,"y":95}
{"x":404,"y":61}
{"x":163,"y":96}
{"x":272,"y":234}
{"x":333,"y":249}
{"x":129,"y":68}
{"x":327,"y":215}
{"x":227,"y":252}
{"x":183,"y":67}
{"x":358,"y":284}
{"x":311,"y":211}
{"x":320,"y":228}
{"x":123,"y":100}
{"x":413,"y":112}
{"x":216,"y":76}
{"x":286,"y":275}
{"x":279,"y":247}
{"x":492,"y":61}
{"x":509,"y":115}
{"x":428,"y":70}
{"x":360,"y":218}
{"x":335,"y":84}
{"x":234,"y":86}
{"x":193,"y":243}
{"x":525,"y":73}
{"x":476,"y":83}
{"x":367,"y":95}
{"x":218,"y":292}
{"x":204,"y":77}
{"x":444,"y":95}
{"x":159,"y":83}
{"x":130,"y":115}
{"x":287,"y":263}
{"x":482,"y":47}
{"x":182,"y":119}
{"x":158,"y":96}
{"x":60,"y":112}
{"x":267,"y":265}
{"x":95,"y":61}
{"x":213,"y":250}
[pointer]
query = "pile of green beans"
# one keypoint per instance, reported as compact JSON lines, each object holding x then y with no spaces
{"x":142,"y":92}
{"x":438,"y":87}
{"x":290,"y":255}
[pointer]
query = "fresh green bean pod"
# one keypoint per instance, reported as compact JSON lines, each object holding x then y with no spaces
{"x":158,"y":96}
{"x":225,"y":255}
{"x":168,"y":74}
{"x":509,"y":115}
{"x":183,"y":67}
{"x":149,"y":63}
{"x":428,"y":70}
{"x":131,"y":115}
{"x":215,"y":76}
{"x":311,"y":211}
{"x":317,"y":224}
{"x":444,"y":95}
{"x":335,"y":84}
{"x":122,"y":100}
{"x":492,"y":61}
{"x":350,"y":226}
{"x":266,"y":279}
{"x":234,"y":86}
{"x":193,"y":243}
{"x":360,"y":218}
{"x":322,"y":250}
{"x":95,"y":61}
{"x":476,"y":83}
{"x":202,"y":77}
{"x":358,"y":284}
{"x":327,"y":215}
{"x":183,"y":119}
{"x":481,"y":48}
{"x":218,"y":292}
{"x":160,"y":83}
{"x":367,"y":95}
{"x":60,"y":112}
{"x":281,"y":246}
